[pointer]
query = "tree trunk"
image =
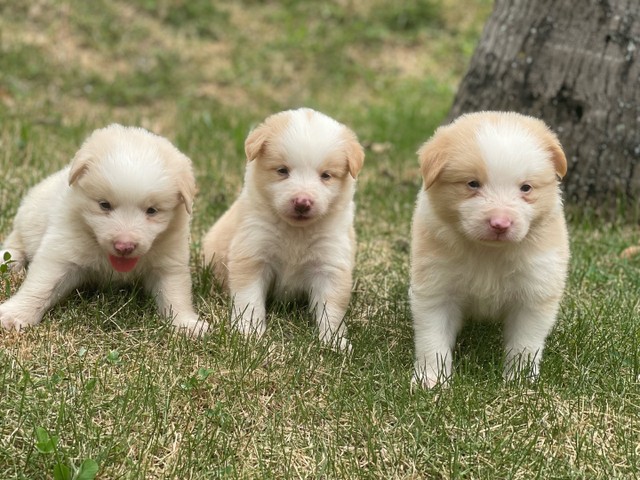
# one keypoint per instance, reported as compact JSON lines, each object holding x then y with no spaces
{"x":575,"y":65}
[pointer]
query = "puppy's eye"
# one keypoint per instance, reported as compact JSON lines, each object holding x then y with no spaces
{"x":325,"y":176}
{"x":105,"y":206}
{"x":473,"y":184}
{"x":151,"y":211}
{"x":525,"y":188}
{"x":283,"y":171}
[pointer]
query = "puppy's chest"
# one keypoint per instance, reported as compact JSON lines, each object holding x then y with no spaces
{"x":297,"y":265}
{"x":488,"y":289}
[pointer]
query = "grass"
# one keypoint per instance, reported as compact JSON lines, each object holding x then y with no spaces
{"x":103,"y":379}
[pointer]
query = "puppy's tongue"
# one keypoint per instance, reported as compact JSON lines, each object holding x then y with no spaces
{"x":122,"y":264}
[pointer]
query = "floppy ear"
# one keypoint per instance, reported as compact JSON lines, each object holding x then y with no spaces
{"x":256,"y":141}
{"x":432,"y":156}
{"x":355,"y":154}
{"x":186,"y":183}
{"x":79,"y":166}
{"x":557,"y":156}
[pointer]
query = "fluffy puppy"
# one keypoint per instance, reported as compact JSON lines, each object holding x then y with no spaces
{"x":489,"y":239}
{"x":290,"y":232}
{"x":120,"y":211}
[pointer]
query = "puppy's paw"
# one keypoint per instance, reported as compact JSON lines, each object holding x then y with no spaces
{"x":13,"y":259}
{"x":251,"y":327}
{"x":14,"y":319}
{"x":420,"y":380}
{"x":428,"y":376}
{"x":337,"y":343}
{"x":521,"y":367}
{"x":191,"y":326}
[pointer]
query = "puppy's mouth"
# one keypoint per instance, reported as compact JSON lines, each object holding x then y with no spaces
{"x":123,"y":264}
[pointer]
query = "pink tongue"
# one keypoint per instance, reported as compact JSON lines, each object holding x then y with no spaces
{"x":122,"y":264}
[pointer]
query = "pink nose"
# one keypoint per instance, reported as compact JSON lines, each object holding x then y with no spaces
{"x":124,"y":248}
{"x":302,"y":204}
{"x":500,"y":223}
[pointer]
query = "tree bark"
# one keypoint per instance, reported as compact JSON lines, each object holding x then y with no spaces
{"x":575,"y":65}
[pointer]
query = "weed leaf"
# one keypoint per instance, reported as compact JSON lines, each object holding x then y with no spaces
{"x":88,"y":470}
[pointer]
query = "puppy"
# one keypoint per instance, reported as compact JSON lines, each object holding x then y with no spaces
{"x":120,"y":211}
{"x":489,"y":239}
{"x":290,"y":232}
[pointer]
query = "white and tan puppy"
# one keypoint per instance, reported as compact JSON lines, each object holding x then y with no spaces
{"x":489,"y":239}
{"x":290,"y":232}
{"x":119,"y":212}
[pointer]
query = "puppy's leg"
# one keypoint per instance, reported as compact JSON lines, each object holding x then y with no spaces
{"x":172,"y":290}
{"x":436,"y":323}
{"x":525,"y":332}
{"x":16,"y":249}
{"x":330,"y":295}
{"x":249,"y":281}
{"x":47,"y":281}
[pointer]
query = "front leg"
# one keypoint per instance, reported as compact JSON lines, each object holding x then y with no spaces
{"x":330,"y":295}
{"x":172,"y":291}
{"x":249,"y":280}
{"x":525,"y":331}
{"x":48,"y":280}
{"x":436,"y":323}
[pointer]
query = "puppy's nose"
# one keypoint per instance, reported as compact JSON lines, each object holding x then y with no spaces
{"x":500,"y":223}
{"x":124,"y":248}
{"x":302,"y":204}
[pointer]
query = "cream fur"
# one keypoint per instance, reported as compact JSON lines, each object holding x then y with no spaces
{"x":262,"y":244}
{"x":65,"y":236}
{"x":484,"y":246}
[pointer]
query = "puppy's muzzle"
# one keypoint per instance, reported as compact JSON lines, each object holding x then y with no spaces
{"x":500,"y":223}
{"x":124,"y":248}
{"x":302,"y":204}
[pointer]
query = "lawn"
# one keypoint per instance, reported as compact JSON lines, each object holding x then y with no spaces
{"x":104,"y":382}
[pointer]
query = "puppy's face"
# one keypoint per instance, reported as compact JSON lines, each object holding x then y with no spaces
{"x":493,"y":176}
{"x":128,"y":186}
{"x":302,"y":163}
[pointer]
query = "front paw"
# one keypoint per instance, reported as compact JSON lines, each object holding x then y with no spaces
{"x":427,"y":382}
{"x":191,"y":326}
{"x":338,"y":343}
{"x":12,"y":318}
{"x":521,"y":367}
{"x":14,"y":259}
{"x":251,"y":326}
{"x":428,"y":376}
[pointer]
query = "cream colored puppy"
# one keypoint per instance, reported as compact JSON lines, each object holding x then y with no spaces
{"x":291,"y":230}
{"x":489,"y":239}
{"x":120,"y":211}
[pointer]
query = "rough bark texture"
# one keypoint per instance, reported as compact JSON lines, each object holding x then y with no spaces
{"x":575,"y":64}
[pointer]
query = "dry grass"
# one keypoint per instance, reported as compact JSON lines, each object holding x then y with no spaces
{"x":107,"y":376}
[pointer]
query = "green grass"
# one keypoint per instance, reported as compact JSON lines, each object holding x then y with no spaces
{"x":103,"y":378}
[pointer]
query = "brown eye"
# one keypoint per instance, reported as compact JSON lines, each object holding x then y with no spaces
{"x":283,"y":172}
{"x":325,"y":176}
{"x":473,"y":184}
{"x":105,"y":206}
{"x":525,"y":188}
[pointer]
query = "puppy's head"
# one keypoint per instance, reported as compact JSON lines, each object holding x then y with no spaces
{"x":129,"y":185}
{"x":493,"y":176}
{"x":303,"y":163}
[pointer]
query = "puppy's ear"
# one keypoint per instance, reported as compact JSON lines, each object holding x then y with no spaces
{"x":557,"y":155}
{"x":432,"y":156}
{"x":256,"y":141}
{"x":79,"y":165}
{"x":355,"y":154}
{"x":186,"y":183}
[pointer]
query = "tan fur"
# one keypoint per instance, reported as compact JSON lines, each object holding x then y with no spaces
{"x":462,"y":266}
{"x":124,"y":189}
{"x":257,"y":246}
